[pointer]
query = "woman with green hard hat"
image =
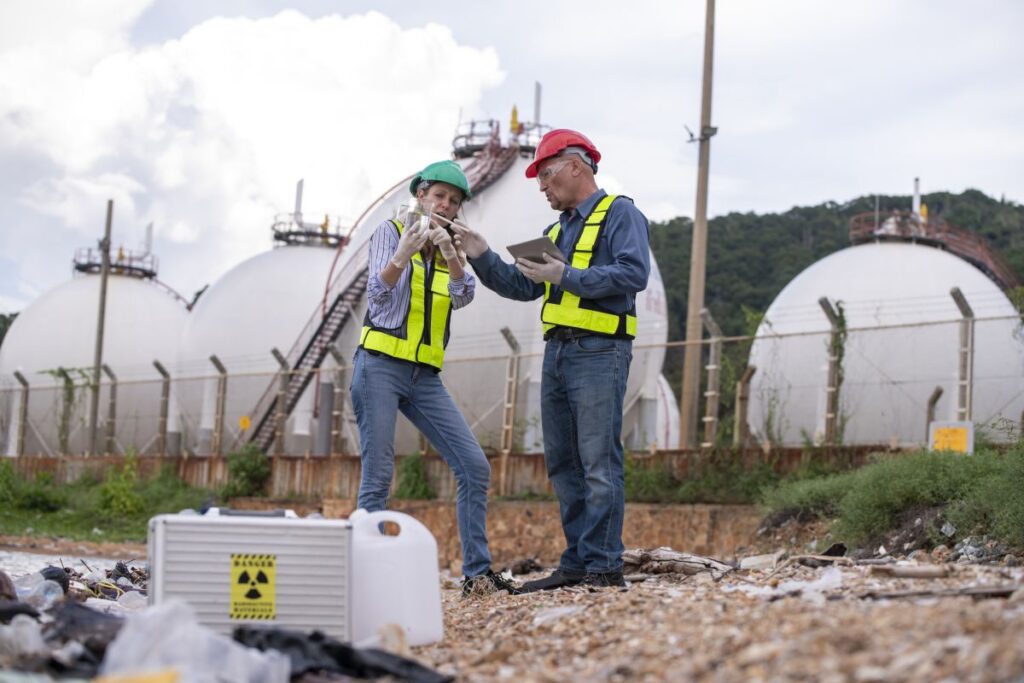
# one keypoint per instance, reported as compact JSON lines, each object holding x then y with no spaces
{"x":417,"y":278}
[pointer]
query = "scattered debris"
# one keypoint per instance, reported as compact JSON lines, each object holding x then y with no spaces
{"x":910,"y":571}
{"x":668,"y":561}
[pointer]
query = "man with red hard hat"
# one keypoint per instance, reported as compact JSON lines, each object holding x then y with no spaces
{"x":589,"y":321}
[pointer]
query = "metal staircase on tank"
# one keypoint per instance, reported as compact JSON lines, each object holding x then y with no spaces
{"x":488,"y":164}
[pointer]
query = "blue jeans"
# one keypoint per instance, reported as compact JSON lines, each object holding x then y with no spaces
{"x":582,"y":391}
{"x":382,"y":386}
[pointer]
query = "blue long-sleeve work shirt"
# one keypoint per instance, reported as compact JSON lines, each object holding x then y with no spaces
{"x":618,"y":270}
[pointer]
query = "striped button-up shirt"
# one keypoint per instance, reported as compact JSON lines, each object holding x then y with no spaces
{"x":388,"y":305}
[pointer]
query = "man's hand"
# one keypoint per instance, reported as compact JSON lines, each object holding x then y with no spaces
{"x":551,"y":270}
{"x":412,"y":240}
{"x":470,"y":241}
{"x":443,"y":241}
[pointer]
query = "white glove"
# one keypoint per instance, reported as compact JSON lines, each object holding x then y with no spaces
{"x":551,"y":270}
{"x":443,"y":241}
{"x":470,"y":241}
{"x":413,"y":238}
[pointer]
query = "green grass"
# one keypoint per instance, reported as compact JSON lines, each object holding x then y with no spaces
{"x":119,"y":506}
{"x":981,"y":494}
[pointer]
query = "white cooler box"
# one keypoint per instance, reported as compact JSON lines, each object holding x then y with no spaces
{"x":342,"y":577}
{"x":244,"y":568}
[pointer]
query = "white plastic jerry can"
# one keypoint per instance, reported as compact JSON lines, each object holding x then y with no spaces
{"x":394,"y":579}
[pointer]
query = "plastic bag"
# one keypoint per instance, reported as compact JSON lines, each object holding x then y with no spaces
{"x":169,"y":637}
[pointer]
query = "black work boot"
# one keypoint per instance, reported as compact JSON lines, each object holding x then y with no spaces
{"x":612,"y":579}
{"x":487,"y":583}
{"x":558,"y":579}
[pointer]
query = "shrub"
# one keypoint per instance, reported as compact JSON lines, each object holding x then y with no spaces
{"x":412,"y":479}
{"x":248,"y":473}
{"x":648,"y":484}
{"x":41,"y":495}
{"x":118,"y":496}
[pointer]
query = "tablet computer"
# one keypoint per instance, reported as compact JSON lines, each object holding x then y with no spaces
{"x":531,"y":250}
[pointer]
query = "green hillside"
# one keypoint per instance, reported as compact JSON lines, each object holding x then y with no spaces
{"x":751,"y":257}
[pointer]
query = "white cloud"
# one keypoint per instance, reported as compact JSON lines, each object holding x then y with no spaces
{"x":207,"y":134}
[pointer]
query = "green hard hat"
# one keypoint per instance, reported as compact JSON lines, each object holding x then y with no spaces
{"x":446,"y":171}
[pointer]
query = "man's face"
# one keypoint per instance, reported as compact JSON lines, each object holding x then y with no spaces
{"x":557,"y":179}
{"x":441,"y":198}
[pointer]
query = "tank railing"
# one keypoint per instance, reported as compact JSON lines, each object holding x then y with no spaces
{"x":528,"y":136}
{"x":906,"y":225}
{"x":473,"y":136}
{"x":285,"y":229}
{"x":122,"y":262}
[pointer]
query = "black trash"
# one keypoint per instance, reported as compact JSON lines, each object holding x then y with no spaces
{"x":317,"y":652}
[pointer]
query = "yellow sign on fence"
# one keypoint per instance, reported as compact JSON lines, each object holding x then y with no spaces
{"x":253,"y":586}
{"x":951,"y":436}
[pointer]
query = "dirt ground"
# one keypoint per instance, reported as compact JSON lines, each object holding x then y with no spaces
{"x":51,"y":545}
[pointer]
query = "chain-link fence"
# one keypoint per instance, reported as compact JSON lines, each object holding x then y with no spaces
{"x":874,"y":386}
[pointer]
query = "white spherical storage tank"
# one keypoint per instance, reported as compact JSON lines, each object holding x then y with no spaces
{"x":58,"y":331}
{"x":899,"y":346}
{"x":260,"y":304}
{"x":476,"y":368}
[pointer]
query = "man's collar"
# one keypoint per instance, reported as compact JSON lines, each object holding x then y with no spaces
{"x":585,"y":207}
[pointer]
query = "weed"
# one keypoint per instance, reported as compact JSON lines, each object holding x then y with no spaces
{"x":118,"y":495}
{"x":412,"y":479}
{"x":248,"y":473}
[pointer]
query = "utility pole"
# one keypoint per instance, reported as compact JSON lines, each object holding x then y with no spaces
{"x":98,"y":356}
{"x":698,"y":256}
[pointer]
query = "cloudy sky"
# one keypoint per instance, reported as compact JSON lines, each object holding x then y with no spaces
{"x":201,"y":116}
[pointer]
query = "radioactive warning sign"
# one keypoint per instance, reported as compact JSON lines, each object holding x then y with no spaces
{"x":253,"y":586}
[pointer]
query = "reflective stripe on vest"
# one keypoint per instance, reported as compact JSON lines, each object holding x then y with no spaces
{"x":414,"y":341}
{"x":565,"y":309}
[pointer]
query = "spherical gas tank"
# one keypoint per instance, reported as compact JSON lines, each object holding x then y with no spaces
{"x":260,"y":304}
{"x":899,"y":343}
{"x":57,"y":332}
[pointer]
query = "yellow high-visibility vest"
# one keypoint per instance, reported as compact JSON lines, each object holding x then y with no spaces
{"x":565,"y":309}
{"x":416,"y":341}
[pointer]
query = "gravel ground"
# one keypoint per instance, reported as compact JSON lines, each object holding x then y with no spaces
{"x":692,"y":628}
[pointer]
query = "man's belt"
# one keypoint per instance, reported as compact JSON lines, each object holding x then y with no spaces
{"x":566,"y":333}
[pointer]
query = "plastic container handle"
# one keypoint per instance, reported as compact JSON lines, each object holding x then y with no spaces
{"x":369,"y":524}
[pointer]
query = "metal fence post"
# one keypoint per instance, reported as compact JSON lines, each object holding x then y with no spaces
{"x":508,"y":416}
{"x":67,"y":398}
{"x":711,"y":394}
{"x":282,"y":398}
{"x":965,"y":375}
{"x":741,"y":430}
{"x":22,"y":413}
{"x":932,"y":402}
{"x":218,"y":415}
{"x":111,"y":428}
{"x":165,"y":402}
{"x":832,"y":390}
{"x":338,"y":408}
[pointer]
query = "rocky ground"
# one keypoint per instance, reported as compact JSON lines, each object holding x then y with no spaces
{"x":789,"y":616}
{"x":794,"y":623}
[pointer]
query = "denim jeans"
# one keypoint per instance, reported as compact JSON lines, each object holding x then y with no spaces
{"x":582,"y":391}
{"x":382,"y":386}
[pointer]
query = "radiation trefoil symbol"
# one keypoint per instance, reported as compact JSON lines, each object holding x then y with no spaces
{"x":253,"y":588}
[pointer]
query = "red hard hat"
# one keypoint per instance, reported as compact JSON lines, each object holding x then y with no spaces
{"x":555,"y":142}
